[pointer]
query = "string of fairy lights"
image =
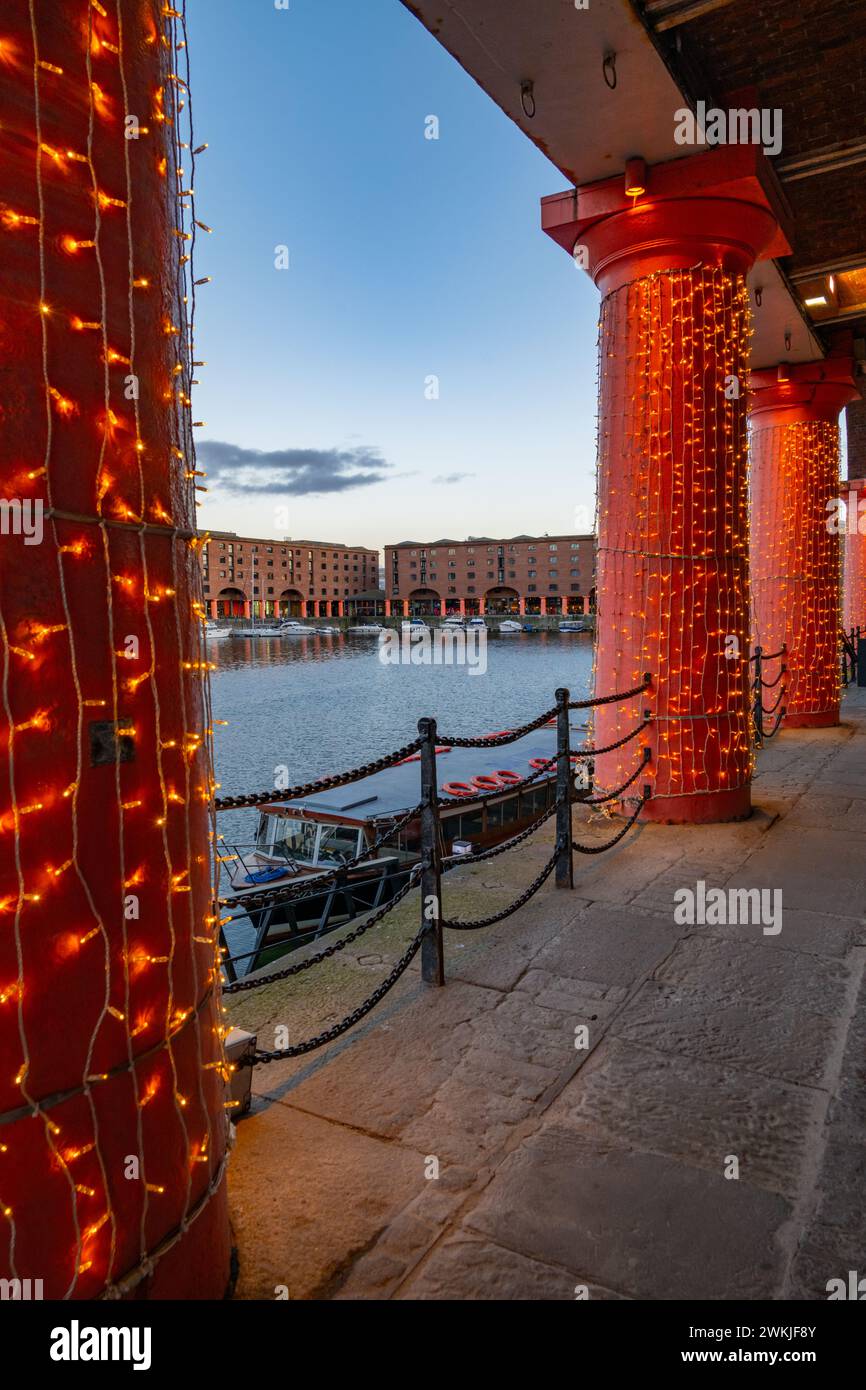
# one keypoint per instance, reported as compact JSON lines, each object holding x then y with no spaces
{"x":672,"y":523}
{"x":147,"y":548}
{"x":796,"y":559}
{"x":854,"y":605}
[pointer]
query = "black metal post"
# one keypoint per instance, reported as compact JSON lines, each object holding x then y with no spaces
{"x":564,"y":852}
{"x":432,"y":946}
{"x":758,"y":709}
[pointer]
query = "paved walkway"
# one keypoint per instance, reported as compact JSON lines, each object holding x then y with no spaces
{"x":712,"y":1050}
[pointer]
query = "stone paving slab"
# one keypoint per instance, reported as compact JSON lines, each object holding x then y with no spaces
{"x":629,"y":1220}
{"x":697,"y":1111}
{"x":771,"y":1012}
{"x":289,"y":1171}
{"x":470,"y":1267}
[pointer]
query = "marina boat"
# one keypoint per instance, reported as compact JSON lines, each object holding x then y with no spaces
{"x":292,"y":628}
{"x":327,"y":631}
{"x":510,"y":626}
{"x":455,"y":624}
{"x":476,"y":622}
{"x":573,"y":625}
{"x":300,"y":845}
{"x":214,"y":630}
{"x":263,"y":630}
{"x":367,"y":629}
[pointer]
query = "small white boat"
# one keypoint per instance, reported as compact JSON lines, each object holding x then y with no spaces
{"x":477,"y":622}
{"x":213,"y":630}
{"x":572,"y":626}
{"x":328,"y":631}
{"x":364,"y":629}
{"x":510,"y":626}
{"x":292,"y":628}
{"x":458,"y":624}
{"x":257,"y":632}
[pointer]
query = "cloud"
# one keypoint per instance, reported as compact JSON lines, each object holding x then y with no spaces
{"x":294,"y":472}
{"x":448,"y":478}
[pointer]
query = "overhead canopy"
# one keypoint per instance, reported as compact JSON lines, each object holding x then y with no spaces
{"x":596,"y":86}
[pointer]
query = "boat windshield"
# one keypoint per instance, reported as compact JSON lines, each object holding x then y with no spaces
{"x":338,"y":843}
{"x":296,"y":839}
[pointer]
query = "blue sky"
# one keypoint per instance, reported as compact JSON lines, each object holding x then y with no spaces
{"x":408,"y":258}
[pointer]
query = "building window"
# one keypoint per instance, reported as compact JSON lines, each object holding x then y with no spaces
{"x":470,"y":588}
{"x":532,"y":588}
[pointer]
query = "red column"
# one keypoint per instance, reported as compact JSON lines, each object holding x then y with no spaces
{"x":212,"y":607}
{"x":111,"y":1086}
{"x":387,"y":608}
{"x":854,"y":563}
{"x":672,"y":545}
{"x":795,"y":530}
{"x":462,"y":608}
{"x":248,"y":609}
{"x":341,"y":609}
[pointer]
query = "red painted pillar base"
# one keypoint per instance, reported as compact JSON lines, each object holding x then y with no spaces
{"x":672,"y":537}
{"x":795,"y":530}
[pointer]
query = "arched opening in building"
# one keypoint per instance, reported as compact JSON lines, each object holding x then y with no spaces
{"x":290,"y":604}
{"x":502,"y":601}
{"x":424,"y":603}
{"x":231,"y":603}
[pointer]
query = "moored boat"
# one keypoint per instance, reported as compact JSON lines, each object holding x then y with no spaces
{"x":313,"y":846}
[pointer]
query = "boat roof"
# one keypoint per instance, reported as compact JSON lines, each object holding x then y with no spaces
{"x":397,"y":789}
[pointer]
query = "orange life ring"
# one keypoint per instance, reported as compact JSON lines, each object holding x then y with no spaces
{"x":498,"y":733}
{"x":506,"y":777}
{"x":541,"y":762}
{"x":485,"y":783}
{"x":459,"y":789}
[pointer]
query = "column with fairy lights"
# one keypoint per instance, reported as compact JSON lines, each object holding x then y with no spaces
{"x":854,"y":558}
{"x":113,"y":1129}
{"x":796,"y":528}
{"x":670,"y":248}
{"x":854,"y":549}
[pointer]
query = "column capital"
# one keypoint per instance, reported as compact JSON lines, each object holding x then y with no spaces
{"x":722,"y":207}
{"x":801,"y":392}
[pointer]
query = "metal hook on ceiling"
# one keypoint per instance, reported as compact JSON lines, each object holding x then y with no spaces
{"x":788,"y":340}
{"x":608,"y":69}
{"x":759,"y":295}
{"x":527,"y":99}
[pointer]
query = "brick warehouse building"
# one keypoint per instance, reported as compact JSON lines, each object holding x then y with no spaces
{"x":522,"y":574}
{"x":252,"y":577}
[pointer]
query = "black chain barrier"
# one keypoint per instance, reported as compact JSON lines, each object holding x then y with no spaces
{"x":428,"y":872}
{"x":609,"y":844}
{"x":499,"y":740}
{"x":456,"y":925}
{"x":612,"y":796}
{"x":612,"y":699}
{"x":322,"y":784}
{"x":241,"y":986}
{"x":761,"y":734}
{"x":330,"y":1034}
